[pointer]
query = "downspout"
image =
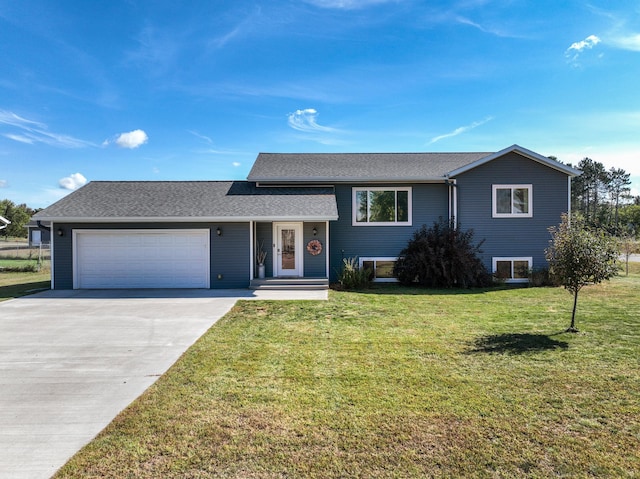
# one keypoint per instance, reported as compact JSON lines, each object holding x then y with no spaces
{"x":569,"y":198}
{"x":42,"y":227}
{"x":453,"y":199}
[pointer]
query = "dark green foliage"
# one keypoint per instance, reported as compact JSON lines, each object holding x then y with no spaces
{"x":24,"y":268}
{"x":542,"y":277}
{"x":443,"y":256}
{"x":19,"y":215}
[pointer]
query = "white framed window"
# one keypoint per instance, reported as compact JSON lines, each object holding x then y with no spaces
{"x":381,"y":206}
{"x":512,"y":270}
{"x":381,"y":268}
{"x":512,"y":201}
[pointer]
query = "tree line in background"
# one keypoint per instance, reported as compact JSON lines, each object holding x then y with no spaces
{"x":19,"y":215}
{"x":603,"y":198}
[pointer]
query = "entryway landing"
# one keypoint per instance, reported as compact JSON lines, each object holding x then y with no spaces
{"x":290,"y":284}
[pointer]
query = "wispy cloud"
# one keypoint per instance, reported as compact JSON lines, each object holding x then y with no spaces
{"x":72,"y":182}
{"x":201,"y":136}
{"x":498,"y":32}
{"x":305,"y":120}
{"x":4,"y":183}
{"x":627,"y":41}
{"x":575,"y":50}
{"x":33,"y":132}
{"x":130,"y":140}
{"x":347,"y":4}
{"x":460,"y":130}
{"x":242,"y":28}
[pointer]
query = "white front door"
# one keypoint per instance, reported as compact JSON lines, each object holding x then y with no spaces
{"x":288,"y":249}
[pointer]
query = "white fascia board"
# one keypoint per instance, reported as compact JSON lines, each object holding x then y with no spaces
{"x":182,"y":219}
{"x":313,"y":182}
{"x":523,"y":152}
{"x":5,"y":220}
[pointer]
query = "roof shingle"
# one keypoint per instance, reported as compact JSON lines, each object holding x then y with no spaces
{"x":342,"y":167}
{"x":191,"y":201}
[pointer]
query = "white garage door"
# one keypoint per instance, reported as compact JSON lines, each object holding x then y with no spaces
{"x":108,"y":259}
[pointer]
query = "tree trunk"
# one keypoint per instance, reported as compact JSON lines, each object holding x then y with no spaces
{"x":572,"y":328}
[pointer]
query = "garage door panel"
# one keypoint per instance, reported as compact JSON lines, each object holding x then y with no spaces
{"x":141,"y":259}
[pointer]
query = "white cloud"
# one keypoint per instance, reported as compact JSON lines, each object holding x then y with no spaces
{"x":460,"y":130}
{"x":305,"y":120}
{"x":348,"y":4}
{"x":236,"y":164}
{"x":72,"y":182}
{"x":132,"y":139}
{"x":201,"y":136}
{"x":3,"y":183}
{"x":32,"y":132}
{"x":627,"y":42}
{"x":576,"y":48}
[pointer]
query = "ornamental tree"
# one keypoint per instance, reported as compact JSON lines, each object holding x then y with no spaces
{"x":579,"y":256}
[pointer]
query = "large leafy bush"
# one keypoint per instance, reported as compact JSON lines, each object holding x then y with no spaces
{"x":442,"y":256}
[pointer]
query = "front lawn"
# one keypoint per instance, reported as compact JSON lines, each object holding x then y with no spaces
{"x":395,"y":383}
{"x":13,"y":284}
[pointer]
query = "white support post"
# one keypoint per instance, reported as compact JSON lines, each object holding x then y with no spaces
{"x":326,"y":248}
{"x":251,"y":249}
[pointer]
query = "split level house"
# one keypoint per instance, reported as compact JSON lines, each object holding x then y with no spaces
{"x":297,"y":216}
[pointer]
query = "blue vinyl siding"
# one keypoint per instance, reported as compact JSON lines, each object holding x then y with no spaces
{"x":429,"y":203}
{"x":314,"y":266}
{"x":230,"y":256}
{"x":229,"y":253}
{"x":264,"y":235}
{"x":512,"y":237}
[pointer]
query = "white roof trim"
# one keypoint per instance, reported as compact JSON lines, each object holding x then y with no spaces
{"x":309,"y":181}
{"x":182,"y":219}
{"x":521,"y":151}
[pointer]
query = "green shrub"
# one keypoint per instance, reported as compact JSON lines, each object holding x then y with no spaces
{"x":539,"y":277}
{"x":25,"y":268}
{"x":352,"y":276}
{"x":442,"y":256}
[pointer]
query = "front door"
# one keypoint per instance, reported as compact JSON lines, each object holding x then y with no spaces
{"x":288,"y":249}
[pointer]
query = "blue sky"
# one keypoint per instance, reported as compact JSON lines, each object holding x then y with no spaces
{"x":166,"y":90}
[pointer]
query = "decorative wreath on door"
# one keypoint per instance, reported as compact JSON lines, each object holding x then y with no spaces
{"x":314,"y":247}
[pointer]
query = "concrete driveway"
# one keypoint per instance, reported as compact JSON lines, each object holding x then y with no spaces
{"x":70,"y":361}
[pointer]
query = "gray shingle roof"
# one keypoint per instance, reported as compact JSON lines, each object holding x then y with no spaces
{"x":190,"y":201}
{"x":338,"y":167}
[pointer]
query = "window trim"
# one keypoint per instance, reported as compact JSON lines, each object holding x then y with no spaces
{"x":362,"y":259}
{"x":512,"y":259}
{"x":494,"y":200}
{"x":395,"y":189}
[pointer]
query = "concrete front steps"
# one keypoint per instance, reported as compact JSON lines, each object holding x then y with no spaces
{"x":290,"y":283}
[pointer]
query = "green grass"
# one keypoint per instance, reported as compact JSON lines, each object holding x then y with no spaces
{"x":13,"y":285}
{"x":395,"y":383}
{"x":17,"y":263}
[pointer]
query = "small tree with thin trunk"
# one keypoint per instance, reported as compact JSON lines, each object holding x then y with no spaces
{"x":579,"y":256}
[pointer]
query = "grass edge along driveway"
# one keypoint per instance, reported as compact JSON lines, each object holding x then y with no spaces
{"x":14,"y":285}
{"x":395,"y":383}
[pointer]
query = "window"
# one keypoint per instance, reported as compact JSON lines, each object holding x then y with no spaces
{"x":381,"y":268}
{"x":512,"y":270}
{"x":381,"y":206}
{"x":512,"y":201}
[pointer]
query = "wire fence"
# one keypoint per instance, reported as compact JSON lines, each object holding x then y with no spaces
{"x":21,"y":256}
